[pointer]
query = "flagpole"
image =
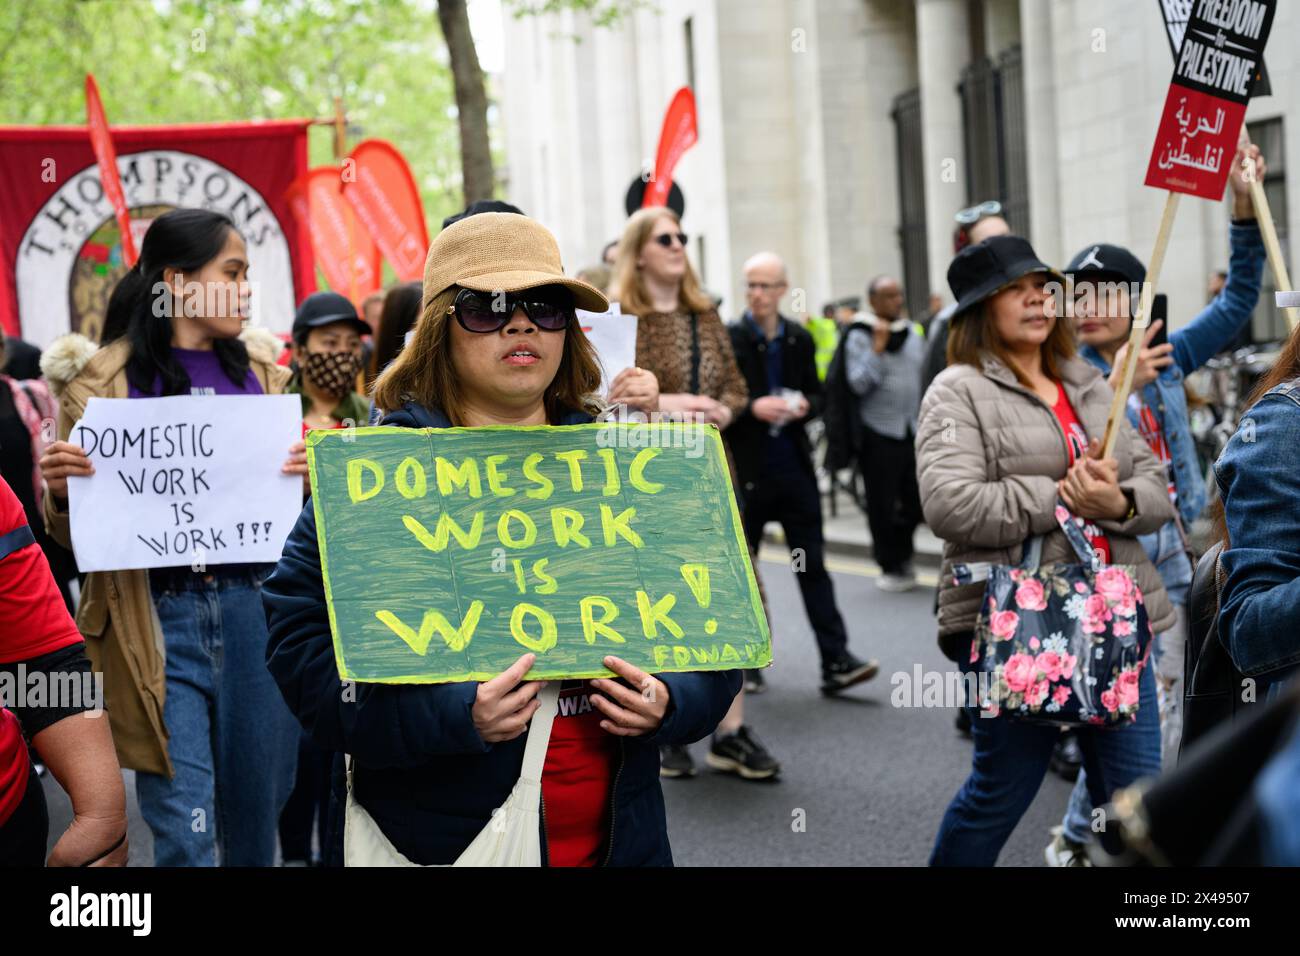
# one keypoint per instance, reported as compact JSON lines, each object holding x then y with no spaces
{"x":1264,"y":216}
{"x":340,"y":151}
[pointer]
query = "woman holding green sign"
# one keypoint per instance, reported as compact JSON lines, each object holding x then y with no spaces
{"x":496,"y":344}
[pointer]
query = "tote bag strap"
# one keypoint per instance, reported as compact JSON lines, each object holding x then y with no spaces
{"x":976,"y":571}
{"x":973,"y":572}
{"x":539,"y":736}
{"x":1069,"y":524}
{"x":539,"y":732}
{"x":1033,"y":555}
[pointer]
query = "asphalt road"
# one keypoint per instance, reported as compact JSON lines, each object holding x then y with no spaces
{"x":872,"y":780}
{"x":868,"y":781}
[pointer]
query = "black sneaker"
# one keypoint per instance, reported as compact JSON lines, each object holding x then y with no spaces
{"x":754,"y":683}
{"x":675,"y":762}
{"x":1067,"y":758}
{"x":846,"y":672}
{"x":741,"y":753}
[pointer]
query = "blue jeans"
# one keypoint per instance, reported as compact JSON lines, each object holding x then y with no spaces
{"x":232,"y":741}
{"x":1010,"y":761}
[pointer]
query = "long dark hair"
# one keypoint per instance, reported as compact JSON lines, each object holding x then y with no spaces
{"x":400,"y":312}
{"x":121,"y":305}
{"x":184,"y":240}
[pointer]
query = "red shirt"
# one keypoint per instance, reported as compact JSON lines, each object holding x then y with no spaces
{"x":1077,"y":440}
{"x":1149,"y":428}
{"x":33,"y":622}
{"x":14,"y":765}
{"x":307,"y":428}
{"x":577,"y":780}
{"x":33,"y":618}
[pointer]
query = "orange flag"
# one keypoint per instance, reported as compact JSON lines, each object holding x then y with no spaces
{"x":342,"y":245}
{"x":381,"y":190}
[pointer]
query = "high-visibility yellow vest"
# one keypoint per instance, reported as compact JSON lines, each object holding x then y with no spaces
{"x":826,"y":335}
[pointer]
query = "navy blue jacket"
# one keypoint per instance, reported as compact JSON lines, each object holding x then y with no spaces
{"x":422,"y":771}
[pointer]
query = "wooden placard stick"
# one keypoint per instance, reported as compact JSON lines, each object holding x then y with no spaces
{"x":1275,"y":261}
{"x":1140,"y":324}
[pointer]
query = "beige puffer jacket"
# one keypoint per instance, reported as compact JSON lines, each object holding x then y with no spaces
{"x":989,"y":453}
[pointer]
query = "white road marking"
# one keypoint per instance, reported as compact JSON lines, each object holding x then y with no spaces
{"x":843,"y":565}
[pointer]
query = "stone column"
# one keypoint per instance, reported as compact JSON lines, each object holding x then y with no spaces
{"x":943,"y":50}
{"x":1041,"y":139}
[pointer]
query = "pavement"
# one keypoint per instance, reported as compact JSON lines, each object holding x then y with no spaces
{"x":863,"y":782}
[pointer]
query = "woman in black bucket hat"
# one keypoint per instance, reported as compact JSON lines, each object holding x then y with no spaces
{"x":1012,"y":424}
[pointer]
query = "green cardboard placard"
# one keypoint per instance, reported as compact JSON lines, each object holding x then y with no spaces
{"x":447,"y":553}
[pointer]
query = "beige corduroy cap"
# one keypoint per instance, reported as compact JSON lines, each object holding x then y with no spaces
{"x":501,"y":252}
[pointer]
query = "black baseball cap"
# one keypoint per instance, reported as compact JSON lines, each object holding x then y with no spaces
{"x":480,"y":206}
{"x":326,"y":308}
{"x":980,"y":270}
{"x":1103,"y":261}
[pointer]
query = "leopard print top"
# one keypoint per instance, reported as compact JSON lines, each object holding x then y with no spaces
{"x":664,"y":346}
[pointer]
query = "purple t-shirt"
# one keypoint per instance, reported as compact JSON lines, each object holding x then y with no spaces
{"x":206,"y":376}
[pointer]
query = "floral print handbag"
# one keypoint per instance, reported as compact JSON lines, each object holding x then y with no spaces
{"x":1064,"y":644}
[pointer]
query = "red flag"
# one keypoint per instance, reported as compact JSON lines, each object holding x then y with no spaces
{"x":677,"y":136}
{"x":101,"y":141}
{"x":344,"y":248}
{"x":382,"y":193}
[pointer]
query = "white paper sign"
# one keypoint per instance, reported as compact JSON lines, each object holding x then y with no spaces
{"x":185,"y":480}
{"x":613,"y":335}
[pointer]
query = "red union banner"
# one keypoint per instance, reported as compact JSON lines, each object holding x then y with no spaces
{"x":344,"y":250}
{"x":60,"y":241}
{"x":676,"y":137}
{"x":1214,"y":74}
{"x":101,"y":141}
{"x":382,"y":192}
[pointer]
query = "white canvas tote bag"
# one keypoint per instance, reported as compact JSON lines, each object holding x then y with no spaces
{"x":511,"y":838}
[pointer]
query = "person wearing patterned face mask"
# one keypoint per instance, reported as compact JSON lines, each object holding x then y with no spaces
{"x":327,"y":357}
{"x":327,"y":351}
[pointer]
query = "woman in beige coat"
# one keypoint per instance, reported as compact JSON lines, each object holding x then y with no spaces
{"x":1014,"y":422}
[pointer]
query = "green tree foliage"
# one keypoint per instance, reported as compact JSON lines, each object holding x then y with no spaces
{"x":603,"y":13}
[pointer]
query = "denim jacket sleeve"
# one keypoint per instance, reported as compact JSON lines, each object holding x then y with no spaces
{"x":1221,"y":320}
{"x":386,"y":725}
{"x":1259,"y":618}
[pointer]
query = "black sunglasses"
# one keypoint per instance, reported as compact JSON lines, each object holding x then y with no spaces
{"x":666,"y":240}
{"x":548,"y":308}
